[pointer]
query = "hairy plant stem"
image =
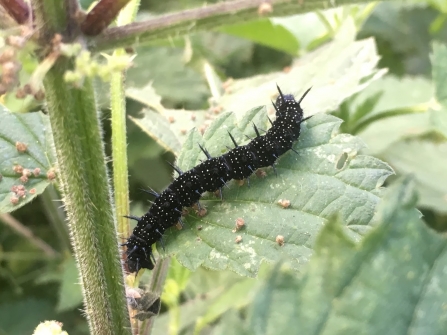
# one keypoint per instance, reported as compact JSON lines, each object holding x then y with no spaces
{"x":206,"y":17}
{"x":87,"y":198}
{"x":85,"y":186}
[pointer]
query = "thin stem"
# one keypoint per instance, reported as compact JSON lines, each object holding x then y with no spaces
{"x":6,"y":21}
{"x":206,"y":17}
{"x":119,"y":151}
{"x":17,"y":9}
{"x":104,"y":12}
{"x":119,"y":138}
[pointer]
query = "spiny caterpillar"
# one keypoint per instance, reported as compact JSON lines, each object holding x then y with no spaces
{"x":211,"y":175}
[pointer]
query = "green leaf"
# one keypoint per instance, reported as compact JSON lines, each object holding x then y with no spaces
{"x":70,"y":294}
{"x":23,"y":316}
{"x":157,"y":126}
{"x":335,"y":71}
{"x":313,"y":181}
{"x":333,"y":77}
{"x":385,"y":133}
{"x":165,"y":68}
{"x":426,"y":161}
{"x":390,"y":283}
{"x":170,"y":127}
{"x":34,"y":132}
{"x":439,"y":72}
{"x":416,"y":93}
{"x":298,"y":26}
{"x":266,"y":32}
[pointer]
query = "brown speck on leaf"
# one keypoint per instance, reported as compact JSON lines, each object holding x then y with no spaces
{"x":240,"y":223}
{"x":51,"y":174}
{"x":265,"y":8}
{"x":238,"y":239}
{"x":260,"y":173}
{"x":284,"y":203}
{"x":26,"y":172}
{"x":217,"y":109}
{"x":198,"y":239}
{"x":201,"y":212}
{"x":280,"y":240}
{"x":199,"y":227}
{"x":21,"y":194}
{"x":183,"y":131}
{"x":24,"y":179}
{"x":17,"y":169}
{"x":193,"y":117}
{"x":14,"y":200}
{"x":185,"y":212}
{"x":241,"y":182}
{"x":32,"y":191}
{"x":171,"y":119}
{"x":36,"y":172}
{"x":178,"y":226}
{"x":202,"y":129}
{"x":287,"y":69}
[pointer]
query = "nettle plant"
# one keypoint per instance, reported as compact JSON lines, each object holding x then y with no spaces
{"x":344,"y":262}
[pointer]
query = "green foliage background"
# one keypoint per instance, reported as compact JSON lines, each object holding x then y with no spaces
{"x":371,"y":271}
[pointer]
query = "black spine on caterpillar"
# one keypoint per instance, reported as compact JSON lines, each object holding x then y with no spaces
{"x":211,"y":175}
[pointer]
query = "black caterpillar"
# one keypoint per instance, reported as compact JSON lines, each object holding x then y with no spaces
{"x":211,"y":175}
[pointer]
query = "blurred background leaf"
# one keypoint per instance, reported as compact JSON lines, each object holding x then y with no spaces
{"x":344,"y":54}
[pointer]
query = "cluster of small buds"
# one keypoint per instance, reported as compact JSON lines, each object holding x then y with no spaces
{"x":27,"y":173}
{"x":11,"y":56}
{"x":19,"y":192}
{"x":27,"y":89}
{"x":10,"y":69}
{"x":49,"y":328}
{"x":85,"y":66}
